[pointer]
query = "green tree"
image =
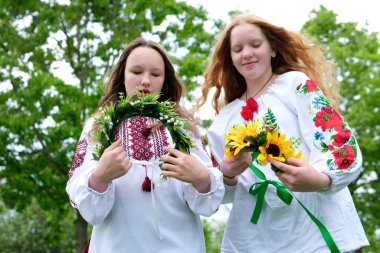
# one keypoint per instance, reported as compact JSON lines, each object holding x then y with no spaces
{"x":53,"y":60}
{"x":356,"y":53}
{"x":34,"y":231}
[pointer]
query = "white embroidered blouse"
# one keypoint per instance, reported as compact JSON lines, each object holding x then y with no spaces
{"x":128,"y":219}
{"x":301,"y":111}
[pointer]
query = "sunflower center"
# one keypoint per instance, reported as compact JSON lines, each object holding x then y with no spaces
{"x":273,"y":150}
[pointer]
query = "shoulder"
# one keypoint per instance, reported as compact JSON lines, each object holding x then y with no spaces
{"x":89,"y":124}
{"x":293,"y":78}
{"x":233,"y":107}
{"x":287,"y":84}
{"x":229,"y":114}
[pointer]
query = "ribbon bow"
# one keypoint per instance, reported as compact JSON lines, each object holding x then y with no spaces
{"x":260,"y":189}
{"x":286,"y":196}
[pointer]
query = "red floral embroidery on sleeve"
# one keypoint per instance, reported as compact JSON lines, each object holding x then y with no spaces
{"x":311,"y":86}
{"x":328,"y":118}
{"x":344,"y":157}
{"x":336,"y":137}
{"x":341,"y":138}
{"x":80,"y":153}
{"x":308,"y":87}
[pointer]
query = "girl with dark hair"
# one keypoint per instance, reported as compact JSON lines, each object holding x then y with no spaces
{"x":140,"y":193}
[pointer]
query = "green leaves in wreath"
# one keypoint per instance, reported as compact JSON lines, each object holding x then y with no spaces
{"x":110,"y":117}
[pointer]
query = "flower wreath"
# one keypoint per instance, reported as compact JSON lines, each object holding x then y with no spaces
{"x":112,"y":115}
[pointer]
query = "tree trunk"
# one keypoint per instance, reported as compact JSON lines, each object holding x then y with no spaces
{"x":81,"y":233}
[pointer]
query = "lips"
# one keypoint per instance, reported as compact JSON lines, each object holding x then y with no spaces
{"x":250,"y":63}
{"x":144,"y":91}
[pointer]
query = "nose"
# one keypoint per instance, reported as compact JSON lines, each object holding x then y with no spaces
{"x":247,"y":53}
{"x":145,"y":81}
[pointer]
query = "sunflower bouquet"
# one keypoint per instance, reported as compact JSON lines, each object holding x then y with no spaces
{"x":263,"y":140}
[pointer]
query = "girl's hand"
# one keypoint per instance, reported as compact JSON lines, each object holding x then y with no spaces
{"x":300,"y":176}
{"x":114,"y":163}
{"x":187,"y":169}
{"x":235,"y":165}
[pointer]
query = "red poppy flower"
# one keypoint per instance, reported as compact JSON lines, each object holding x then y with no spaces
{"x":344,"y":156}
{"x":246,"y":113}
{"x":341,"y":138}
{"x":328,"y":118}
{"x":310,"y":86}
{"x":252,"y":103}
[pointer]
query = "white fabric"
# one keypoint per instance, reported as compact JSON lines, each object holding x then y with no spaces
{"x":283,"y":228}
{"x":127,"y":219}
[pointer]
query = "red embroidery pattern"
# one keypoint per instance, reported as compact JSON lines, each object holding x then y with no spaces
{"x":80,"y":153}
{"x":140,"y":146}
{"x":137,"y":140}
{"x":160,"y":140}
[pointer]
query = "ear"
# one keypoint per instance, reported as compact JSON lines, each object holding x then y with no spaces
{"x":274,"y":53}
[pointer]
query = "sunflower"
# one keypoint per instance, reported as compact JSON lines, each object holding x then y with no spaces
{"x":244,"y":137}
{"x":228,"y":152}
{"x":277,"y":148}
{"x":236,"y":139}
{"x":299,"y":156}
{"x":253,"y":129}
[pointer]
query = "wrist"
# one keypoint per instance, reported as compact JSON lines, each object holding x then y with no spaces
{"x":325,"y":181}
{"x":231,"y":181}
{"x":203,"y":186}
{"x":226,"y":173}
{"x":97,"y":184}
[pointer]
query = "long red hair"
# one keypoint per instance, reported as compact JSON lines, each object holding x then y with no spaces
{"x":293,"y":53}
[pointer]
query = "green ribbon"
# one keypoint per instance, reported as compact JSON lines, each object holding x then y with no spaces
{"x":286,"y":196}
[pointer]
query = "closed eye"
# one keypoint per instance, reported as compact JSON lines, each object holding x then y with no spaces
{"x":237,"y":49}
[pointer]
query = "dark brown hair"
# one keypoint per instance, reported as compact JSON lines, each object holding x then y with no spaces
{"x":173,"y":88}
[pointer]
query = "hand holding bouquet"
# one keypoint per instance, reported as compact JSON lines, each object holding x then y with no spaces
{"x":263,"y":141}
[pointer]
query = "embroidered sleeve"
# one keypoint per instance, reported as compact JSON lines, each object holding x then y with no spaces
{"x":80,"y":153}
{"x":333,"y":146}
{"x":92,"y":205}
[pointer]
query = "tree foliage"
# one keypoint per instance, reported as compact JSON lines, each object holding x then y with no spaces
{"x":355,"y":52}
{"x":213,"y":234}
{"x":53,"y":59}
{"x":34,"y":230}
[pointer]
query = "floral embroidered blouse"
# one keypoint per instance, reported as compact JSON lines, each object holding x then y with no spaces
{"x":299,"y":109}
{"x":128,"y":219}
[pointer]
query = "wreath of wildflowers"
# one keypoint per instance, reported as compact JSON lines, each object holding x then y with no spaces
{"x":111,"y":116}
